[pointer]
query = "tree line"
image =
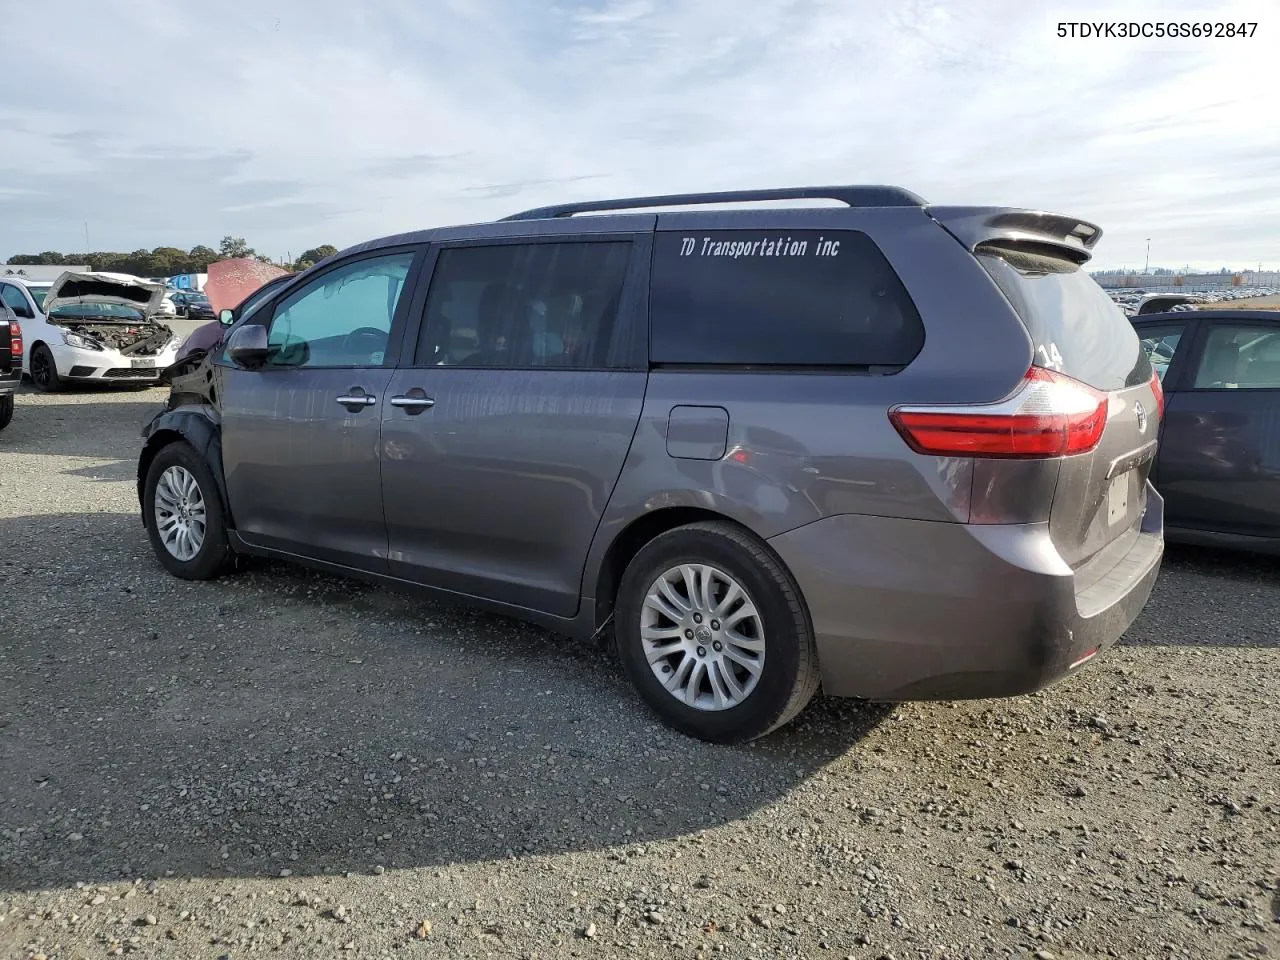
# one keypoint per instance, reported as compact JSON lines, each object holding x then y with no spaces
{"x":167,"y":261}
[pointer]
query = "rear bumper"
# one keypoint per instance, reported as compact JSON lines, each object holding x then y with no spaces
{"x":9,"y":380}
{"x":917,"y":610}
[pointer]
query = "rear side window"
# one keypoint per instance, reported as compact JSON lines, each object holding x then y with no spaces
{"x":778,"y":297}
{"x":1074,"y":326}
{"x":1240,"y":358}
{"x":13,"y":299}
{"x":525,"y":305}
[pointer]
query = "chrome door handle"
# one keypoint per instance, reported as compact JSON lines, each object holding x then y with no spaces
{"x":412,"y":404}
{"x":357,"y":400}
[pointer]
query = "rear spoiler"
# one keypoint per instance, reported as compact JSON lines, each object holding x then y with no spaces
{"x":1051,"y":233}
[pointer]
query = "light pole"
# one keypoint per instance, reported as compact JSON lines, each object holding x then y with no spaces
{"x":1147,"y":268}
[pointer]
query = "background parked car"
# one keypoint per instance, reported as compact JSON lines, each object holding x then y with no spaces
{"x":1218,"y":465}
{"x":10,"y":361}
{"x":198,"y":307}
{"x":97,"y":327}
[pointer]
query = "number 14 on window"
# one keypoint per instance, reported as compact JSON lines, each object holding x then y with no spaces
{"x":1050,"y":356}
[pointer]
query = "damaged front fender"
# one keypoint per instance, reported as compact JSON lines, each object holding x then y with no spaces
{"x":200,"y":428}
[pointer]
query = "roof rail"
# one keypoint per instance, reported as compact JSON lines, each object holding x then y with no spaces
{"x":854,"y":196}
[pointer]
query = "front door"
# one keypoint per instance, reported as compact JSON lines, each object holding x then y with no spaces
{"x":503,"y":436}
{"x":300,"y":434}
{"x":1220,"y":452}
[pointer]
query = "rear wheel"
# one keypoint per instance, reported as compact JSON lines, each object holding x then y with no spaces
{"x":44,"y":372}
{"x":6,"y":410}
{"x":711,"y":631}
{"x":183,"y":513}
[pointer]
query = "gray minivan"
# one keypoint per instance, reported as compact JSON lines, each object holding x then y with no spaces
{"x":893,"y":450}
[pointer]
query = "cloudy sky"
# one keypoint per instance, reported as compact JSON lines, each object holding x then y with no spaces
{"x":297,"y":123}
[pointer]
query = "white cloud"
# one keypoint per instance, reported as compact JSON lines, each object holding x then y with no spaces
{"x":298,"y":123}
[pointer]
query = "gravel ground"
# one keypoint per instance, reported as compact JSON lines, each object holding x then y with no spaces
{"x":285,"y":763}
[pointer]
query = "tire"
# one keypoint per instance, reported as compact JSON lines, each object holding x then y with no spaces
{"x":185,"y":470}
{"x":44,"y":371}
{"x":6,"y":410}
{"x":786,"y":676}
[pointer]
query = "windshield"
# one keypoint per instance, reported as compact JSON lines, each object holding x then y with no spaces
{"x":38,"y":294}
{"x":96,"y":311}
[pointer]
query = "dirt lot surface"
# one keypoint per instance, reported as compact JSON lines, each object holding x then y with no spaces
{"x":286,"y":764}
{"x":1271,"y":302}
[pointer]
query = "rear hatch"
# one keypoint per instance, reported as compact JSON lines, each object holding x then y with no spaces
{"x":1078,"y":331}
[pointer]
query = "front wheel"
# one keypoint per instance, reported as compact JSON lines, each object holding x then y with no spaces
{"x":6,"y":410}
{"x":44,"y":372}
{"x":711,"y":630}
{"x":183,"y":514}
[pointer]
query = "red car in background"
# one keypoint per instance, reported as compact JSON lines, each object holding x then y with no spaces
{"x":207,"y":336}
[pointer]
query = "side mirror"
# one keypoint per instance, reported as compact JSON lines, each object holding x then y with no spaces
{"x":247,"y":346}
{"x":24,"y":313}
{"x":226,"y":317}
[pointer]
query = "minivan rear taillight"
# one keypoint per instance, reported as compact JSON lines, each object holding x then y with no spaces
{"x":1158,"y":389}
{"x":15,"y":342}
{"x":1048,"y":415}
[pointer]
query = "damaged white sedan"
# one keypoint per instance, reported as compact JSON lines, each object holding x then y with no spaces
{"x":99,"y":328}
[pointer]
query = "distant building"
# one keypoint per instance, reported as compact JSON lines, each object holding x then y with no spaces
{"x":42,"y":272}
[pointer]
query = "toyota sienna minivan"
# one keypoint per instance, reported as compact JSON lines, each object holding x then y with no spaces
{"x":890,"y":450}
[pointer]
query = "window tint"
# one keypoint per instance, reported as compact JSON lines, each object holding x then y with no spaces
{"x":1160,"y":344}
{"x":524,"y":305}
{"x":1240,"y":358}
{"x":799,"y":297}
{"x":1074,"y":325}
{"x":342,"y":318}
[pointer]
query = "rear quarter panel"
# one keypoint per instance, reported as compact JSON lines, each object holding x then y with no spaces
{"x":806,"y":445}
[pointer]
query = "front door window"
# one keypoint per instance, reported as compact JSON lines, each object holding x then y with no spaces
{"x":342,"y":318}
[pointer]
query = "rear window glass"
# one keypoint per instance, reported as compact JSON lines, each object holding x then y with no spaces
{"x":1074,"y":326}
{"x":778,"y":297}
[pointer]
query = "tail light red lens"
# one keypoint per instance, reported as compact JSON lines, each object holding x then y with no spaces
{"x":15,"y":341}
{"x":1048,"y":415}
{"x":1158,"y":389}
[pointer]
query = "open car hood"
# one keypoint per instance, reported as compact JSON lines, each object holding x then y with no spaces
{"x":71,"y":288}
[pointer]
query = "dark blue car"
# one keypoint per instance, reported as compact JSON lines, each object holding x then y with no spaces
{"x":1218,"y":465}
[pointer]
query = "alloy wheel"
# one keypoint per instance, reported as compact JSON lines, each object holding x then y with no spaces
{"x":180,"y":513}
{"x":703,"y":636}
